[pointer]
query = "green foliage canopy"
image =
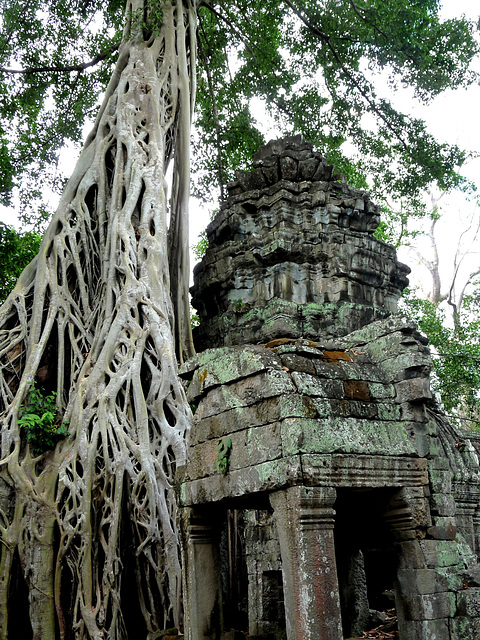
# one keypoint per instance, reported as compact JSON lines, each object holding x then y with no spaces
{"x":16,"y":251}
{"x":455,"y":354}
{"x":55,"y":58}
{"x":310,"y":61}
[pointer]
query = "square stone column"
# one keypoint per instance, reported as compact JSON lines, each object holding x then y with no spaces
{"x":202,"y":577}
{"x":425,"y":605}
{"x":305,"y":518}
{"x":476,"y":529}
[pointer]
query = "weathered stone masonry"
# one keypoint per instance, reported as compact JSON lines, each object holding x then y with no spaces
{"x":292,"y":253}
{"x":346,"y":477}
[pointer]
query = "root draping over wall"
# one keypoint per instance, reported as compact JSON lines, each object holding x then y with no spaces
{"x":92,"y":319}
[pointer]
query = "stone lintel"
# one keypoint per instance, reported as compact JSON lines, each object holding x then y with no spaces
{"x":313,"y":470}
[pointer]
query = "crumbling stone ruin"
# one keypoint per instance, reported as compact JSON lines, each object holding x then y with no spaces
{"x":324,"y":486}
{"x":292,"y":253}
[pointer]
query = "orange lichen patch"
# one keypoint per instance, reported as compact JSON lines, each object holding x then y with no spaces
{"x":335,"y":356}
{"x":357,"y":390}
{"x":302,"y":342}
{"x":202,"y":376}
{"x":311,"y":343}
{"x":278,"y":342}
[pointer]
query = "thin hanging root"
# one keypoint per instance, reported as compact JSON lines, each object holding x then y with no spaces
{"x":91,"y":318}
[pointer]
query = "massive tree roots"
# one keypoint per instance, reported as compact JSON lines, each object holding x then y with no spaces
{"x":88,"y":536}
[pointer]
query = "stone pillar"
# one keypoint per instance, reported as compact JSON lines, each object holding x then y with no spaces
{"x":465,"y":518}
{"x":305,"y":518}
{"x":476,"y":528}
{"x":424,"y":605}
{"x":203,"y":600}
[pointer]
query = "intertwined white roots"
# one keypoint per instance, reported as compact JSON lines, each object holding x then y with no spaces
{"x":91,"y":318}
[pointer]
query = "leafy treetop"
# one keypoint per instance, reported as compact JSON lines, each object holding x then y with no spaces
{"x":16,"y":251}
{"x":310,"y":61}
{"x":455,"y":354}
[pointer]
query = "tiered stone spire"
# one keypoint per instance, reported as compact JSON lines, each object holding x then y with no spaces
{"x":292,"y":254}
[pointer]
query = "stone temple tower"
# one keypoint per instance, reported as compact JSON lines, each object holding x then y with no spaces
{"x":292,"y":253}
{"x":323,"y":485}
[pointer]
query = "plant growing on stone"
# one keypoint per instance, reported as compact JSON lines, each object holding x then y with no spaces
{"x":41,"y":420}
{"x":239,"y":306}
{"x":224,"y":448}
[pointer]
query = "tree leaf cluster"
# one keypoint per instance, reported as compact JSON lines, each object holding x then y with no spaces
{"x":17,"y":249}
{"x":146,"y":22}
{"x":312,"y":63}
{"x":455,"y":354}
{"x":55,"y":60}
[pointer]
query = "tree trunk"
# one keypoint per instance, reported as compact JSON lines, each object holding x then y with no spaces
{"x":92,"y":319}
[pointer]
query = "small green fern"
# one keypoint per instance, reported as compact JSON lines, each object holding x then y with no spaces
{"x":39,"y":416}
{"x":224,"y":448}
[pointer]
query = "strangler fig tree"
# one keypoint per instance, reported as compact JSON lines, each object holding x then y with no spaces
{"x":87,"y":529}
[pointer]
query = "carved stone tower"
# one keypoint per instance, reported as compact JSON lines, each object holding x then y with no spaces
{"x":292,"y":254}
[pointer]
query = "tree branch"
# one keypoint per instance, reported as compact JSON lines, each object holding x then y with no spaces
{"x":356,"y":10}
{"x":221,"y":179}
{"x":75,"y":67}
{"x":327,"y":40}
{"x":457,"y":262}
{"x":279,"y":103}
{"x":230,"y":24}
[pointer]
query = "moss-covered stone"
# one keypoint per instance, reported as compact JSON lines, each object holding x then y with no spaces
{"x":346,"y":435}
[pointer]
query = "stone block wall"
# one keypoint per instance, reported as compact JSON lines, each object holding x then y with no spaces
{"x":311,"y":395}
{"x":355,"y":412}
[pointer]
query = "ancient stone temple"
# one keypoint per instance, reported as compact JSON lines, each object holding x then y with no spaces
{"x":293,"y":253}
{"x":323,"y":486}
